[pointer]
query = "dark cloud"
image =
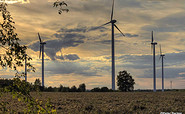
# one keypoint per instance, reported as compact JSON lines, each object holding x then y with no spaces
{"x":70,"y":68}
{"x":145,"y":64}
{"x":100,"y":28}
{"x":65,"y":38}
{"x":60,"y":57}
{"x":107,"y":41}
{"x":171,"y":23}
{"x":131,"y":35}
{"x":83,"y":29}
{"x":168,"y":73}
{"x":136,"y":61}
{"x":72,"y":57}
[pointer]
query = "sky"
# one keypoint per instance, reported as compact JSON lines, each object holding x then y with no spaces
{"x":77,"y":51}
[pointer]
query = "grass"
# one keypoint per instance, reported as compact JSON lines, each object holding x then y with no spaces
{"x":112,"y":102}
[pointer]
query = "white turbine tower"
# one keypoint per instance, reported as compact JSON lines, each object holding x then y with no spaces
{"x":154,"y":68}
{"x":162,"y":60}
{"x":25,"y":68}
{"x":42,"y":50}
{"x":113,"y":57}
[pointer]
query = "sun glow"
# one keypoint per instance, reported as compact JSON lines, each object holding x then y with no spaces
{"x":15,"y":1}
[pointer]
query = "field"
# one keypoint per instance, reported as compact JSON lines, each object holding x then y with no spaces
{"x":112,"y":102}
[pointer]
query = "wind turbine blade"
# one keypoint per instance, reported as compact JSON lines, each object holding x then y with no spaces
{"x":160,"y":50}
{"x":39,"y":38}
{"x":112,"y":14}
{"x":119,"y":29}
{"x":160,"y":57}
{"x":152,"y":37}
{"x":105,"y":24}
{"x":40,"y":50}
{"x":151,"y":48}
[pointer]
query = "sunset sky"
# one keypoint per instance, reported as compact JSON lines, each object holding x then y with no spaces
{"x":78,"y":52}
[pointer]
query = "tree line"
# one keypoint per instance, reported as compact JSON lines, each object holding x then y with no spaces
{"x":124,"y":82}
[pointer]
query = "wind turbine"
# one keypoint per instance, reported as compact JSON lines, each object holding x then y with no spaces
{"x":154,"y":68}
{"x":42,"y":50}
{"x":113,"y":21}
{"x":162,"y":58}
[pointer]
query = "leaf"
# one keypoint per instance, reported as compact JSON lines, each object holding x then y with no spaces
{"x":19,"y":99}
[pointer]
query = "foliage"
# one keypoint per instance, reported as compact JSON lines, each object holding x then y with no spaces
{"x":15,"y":54}
{"x":102,"y":89}
{"x":82,"y":88}
{"x":60,"y":88}
{"x":73,"y":89}
{"x":125,"y":81}
{"x":37,"y":82}
{"x":60,"y":4}
{"x":5,"y":83}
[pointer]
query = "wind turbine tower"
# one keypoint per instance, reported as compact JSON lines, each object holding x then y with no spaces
{"x":42,"y":51}
{"x":25,"y":68}
{"x":112,"y":21}
{"x":162,"y":58}
{"x":154,"y":67}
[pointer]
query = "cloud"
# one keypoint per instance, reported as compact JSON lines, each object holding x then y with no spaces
{"x":73,"y":68}
{"x":107,"y":41}
{"x":65,"y":38}
{"x":15,"y":1}
{"x":72,"y":57}
{"x":173,"y":64}
{"x":61,"y":40}
{"x":169,"y":23}
{"x":131,"y":35}
{"x":83,"y":29}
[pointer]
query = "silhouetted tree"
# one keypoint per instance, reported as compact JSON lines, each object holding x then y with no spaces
{"x":14,"y":55}
{"x":9,"y":42}
{"x":60,"y":88}
{"x":82,"y":88}
{"x":96,"y":89}
{"x":5,"y":83}
{"x":37,"y":85}
{"x":50,"y":89}
{"x":104,"y":89}
{"x":37,"y":82}
{"x":65,"y":89}
{"x":73,"y":89}
{"x":125,"y":81}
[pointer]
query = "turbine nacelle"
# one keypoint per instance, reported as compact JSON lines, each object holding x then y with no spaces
{"x":154,"y":43}
{"x":162,"y":55}
{"x":113,"y":21}
{"x":42,"y":43}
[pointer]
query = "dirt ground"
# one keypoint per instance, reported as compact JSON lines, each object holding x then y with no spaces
{"x":111,"y":102}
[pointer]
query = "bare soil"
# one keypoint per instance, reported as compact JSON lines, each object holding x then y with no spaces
{"x":110,"y":102}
